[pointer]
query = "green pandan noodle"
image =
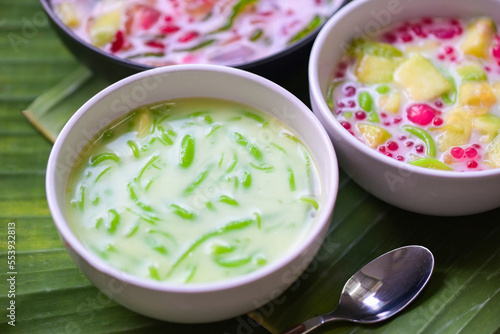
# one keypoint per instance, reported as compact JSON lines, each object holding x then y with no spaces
{"x":193,"y":193}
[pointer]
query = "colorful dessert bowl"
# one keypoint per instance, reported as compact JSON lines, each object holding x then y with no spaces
{"x":193,"y":302}
{"x":417,"y":189}
{"x":274,"y":66}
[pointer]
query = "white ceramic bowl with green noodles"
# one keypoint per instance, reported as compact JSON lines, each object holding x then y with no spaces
{"x":193,"y":193}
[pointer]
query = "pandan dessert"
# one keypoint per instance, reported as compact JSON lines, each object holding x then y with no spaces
{"x":425,"y":92}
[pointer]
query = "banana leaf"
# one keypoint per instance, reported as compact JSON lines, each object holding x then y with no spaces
{"x":51,"y":295}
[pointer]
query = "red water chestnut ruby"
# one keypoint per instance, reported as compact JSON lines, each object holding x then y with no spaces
{"x":118,"y":42}
{"x":421,"y":113}
{"x":470,"y":152}
{"x":457,"y":152}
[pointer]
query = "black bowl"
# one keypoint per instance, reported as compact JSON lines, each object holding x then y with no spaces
{"x":280,"y":67}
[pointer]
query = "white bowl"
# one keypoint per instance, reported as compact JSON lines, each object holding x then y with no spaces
{"x":192,"y":303}
{"x":412,"y":188}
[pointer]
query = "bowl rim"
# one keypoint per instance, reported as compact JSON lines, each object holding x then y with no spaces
{"x":47,"y":6}
{"x":321,"y":222}
{"x":317,"y":96}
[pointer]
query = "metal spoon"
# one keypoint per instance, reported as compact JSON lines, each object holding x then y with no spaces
{"x":379,"y":290}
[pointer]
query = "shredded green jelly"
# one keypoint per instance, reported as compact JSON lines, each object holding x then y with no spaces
{"x":201,"y":191}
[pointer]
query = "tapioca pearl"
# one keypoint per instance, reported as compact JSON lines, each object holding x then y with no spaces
{"x":476,"y":145}
{"x":400,"y":158}
{"x":339,"y":75}
{"x":389,"y":154}
{"x":409,"y":143}
{"x":487,"y":69}
{"x":352,"y":133}
{"x":457,"y":152}
{"x":390,"y":38}
{"x":472,"y":164}
{"x":382,"y":149}
{"x":402,"y":137}
{"x":339,"y":111}
{"x":340,"y":104}
{"x":471,"y":152}
{"x":360,"y":115}
{"x":454,"y":22}
{"x":397,"y":120}
{"x":420,"y":148}
{"x":406,"y":37}
{"x":383,"y":115}
{"x":346,"y":125}
{"x":349,"y":90}
{"x":439,"y":104}
{"x":443,"y":33}
{"x":448,"y":50}
{"x":437,"y":121}
{"x":392,"y":145}
{"x":441,"y":56}
{"x":386,"y":123}
{"x":495,"y":51}
{"x":342,"y":65}
{"x":417,"y":29}
{"x":427,"y":20}
{"x":351,"y":104}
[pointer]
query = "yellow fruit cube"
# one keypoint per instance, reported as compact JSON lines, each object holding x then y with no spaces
{"x":488,"y":125}
{"x":376,"y":69}
{"x":420,"y":79}
{"x":493,"y":153}
{"x":478,"y":37}
{"x":66,"y":12}
{"x":478,"y":96}
{"x":457,"y":129}
{"x":390,"y":102}
{"x":496,"y":89}
{"x":373,"y":135}
{"x":105,"y":27}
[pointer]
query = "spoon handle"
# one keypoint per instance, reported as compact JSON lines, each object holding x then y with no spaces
{"x":306,"y":327}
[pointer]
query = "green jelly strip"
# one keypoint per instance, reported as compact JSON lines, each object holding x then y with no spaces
{"x":199,"y":180}
{"x":102,"y":173}
{"x":233,"y":164}
{"x":239,"y":8}
{"x":186,"y":153}
{"x":313,"y":24}
{"x":132,"y":231}
{"x":95,"y":160}
{"x":147,"y":165}
{"x":222,"y":249}
{"x":164,"y":138}
{"x":181,"y":212}
{"x":330,"y":93}
{"x":135,"y":149}
{"x":256,"y":34}
{"x":162,"y":233}
{"x":246,"y":179}
{"x":279,"y":147}
{"x":255,"y":117}
{"x":153,"y":273}
{"x":214,"y":128}
{"x":383,"y":89}
{"x":114,"y":221}
{"x":229,"y":227}
{"x":80,"y":203}
{"x":228,"y":200}
{"x":263,"y":167}
{"x":259,"y":220}
{"x":310,"y":200}
{"x":424,"y":136}
{"x":147,"y":55}
{"x":450,"y":97}
{"x":366,"y":103}
{"x":232,"y":263}
{"x":148,"y":219}
{"x":291,"y":179}
{"x":191,"y":273}
{"x":198,"y":46}
{"x":430,"y":163}
{"x":360,"y":47}
{"x":252,"y":149}
{"x":133,"y":196}
{"x":204,"y":114}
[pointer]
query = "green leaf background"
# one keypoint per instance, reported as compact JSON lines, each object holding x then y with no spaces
{"x":53,"y":296}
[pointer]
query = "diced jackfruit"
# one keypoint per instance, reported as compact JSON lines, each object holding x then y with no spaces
{"x":420,"y":79}
{"x":478,"y":37}
{"x":373,"y":135}
{"x":478,"y":96}
{"x":457,"y":129}
{"x":375,"y":69}
{"x":390,"y":102}
{"x":105,"y":27}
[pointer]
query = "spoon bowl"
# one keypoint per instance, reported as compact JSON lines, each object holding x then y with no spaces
{"x":380,"y":289}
